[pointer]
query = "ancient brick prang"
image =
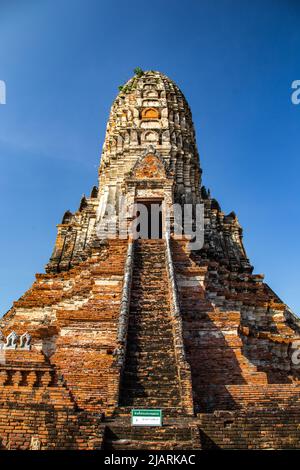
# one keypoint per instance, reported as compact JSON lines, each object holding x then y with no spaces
{"x":117,"y":323}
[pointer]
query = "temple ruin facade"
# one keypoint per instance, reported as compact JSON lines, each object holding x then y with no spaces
{"x":118,"y":323}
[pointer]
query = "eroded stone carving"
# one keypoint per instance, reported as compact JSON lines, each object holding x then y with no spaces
{"x":25,"y":341}
{"x":12,"y":341}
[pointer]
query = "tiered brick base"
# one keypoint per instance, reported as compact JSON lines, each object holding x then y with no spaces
{"x":71,"y":391}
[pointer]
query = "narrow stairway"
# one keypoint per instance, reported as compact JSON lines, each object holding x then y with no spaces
{"x":150,"y":377}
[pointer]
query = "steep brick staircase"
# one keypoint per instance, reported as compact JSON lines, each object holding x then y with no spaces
{"x":150,"y":378}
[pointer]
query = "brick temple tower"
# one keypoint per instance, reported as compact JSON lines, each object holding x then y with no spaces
{"x":122,"y":323}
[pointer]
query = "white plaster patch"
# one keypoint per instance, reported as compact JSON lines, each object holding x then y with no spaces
{"x":106,"y":282}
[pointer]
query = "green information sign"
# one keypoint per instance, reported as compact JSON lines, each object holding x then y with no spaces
{"x":146,"y":417}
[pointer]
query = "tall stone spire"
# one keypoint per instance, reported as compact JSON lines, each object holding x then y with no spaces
{"x":149,"y":152}
{"x":150,"y":112}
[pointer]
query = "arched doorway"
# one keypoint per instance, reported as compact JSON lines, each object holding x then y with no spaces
{"x":148,"y":219}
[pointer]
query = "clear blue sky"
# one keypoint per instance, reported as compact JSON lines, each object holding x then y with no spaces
{"x":235,"y":60}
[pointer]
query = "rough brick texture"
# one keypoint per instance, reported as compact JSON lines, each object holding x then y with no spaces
{"x":113,"y":325}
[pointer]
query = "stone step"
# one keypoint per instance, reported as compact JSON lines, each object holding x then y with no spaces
{"x":149,"y":384}
{"x":145,"y":371}
{"x":152,"y":399}
{"x":151,"y":357}
{"x":138,"y":374}
{"x":146,"y":384}
{"x":138,"y":326}
{"x":168,"y":412}
{"x":145,"y":264}
{"x":157,"y":293}
{"x":146,"y":392}
{"x":145,"y":300}
{"x":144,"y":375}
{"x":150,"y":402}
{"x":148,"y":344}
{"x":154,"y":273}
{"x":147,"y":445}
{"x":145,"y":334}
{"x":150,"y":318}
{"x":145,"y":326}
{"x":152,"y":282}
{"x":150,"y":268}
{"x":144,"y":281}
{"x":150,"y":351}
{"x":153,"y":392}
{"x":155,"y":255}
{"x":163,"y":433}
{"x":141,"y":336}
